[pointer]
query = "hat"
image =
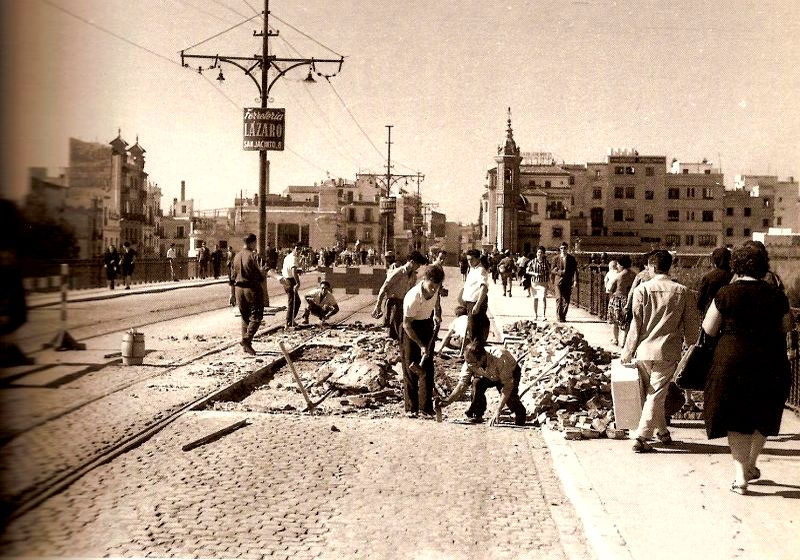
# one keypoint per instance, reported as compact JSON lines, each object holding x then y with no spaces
{"x":323,"y":281}
{"x":563,"y":245}
{"x":250,"y":238}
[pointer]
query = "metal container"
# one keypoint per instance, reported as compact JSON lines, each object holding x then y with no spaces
{"x":133,"y":348}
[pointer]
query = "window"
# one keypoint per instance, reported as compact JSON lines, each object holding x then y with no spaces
{"x":748,"y":211}
{"x":707,"y":172}
{"x":531,"y":183}
{"x":673,"y":193}
{"x":746,"y":231}
{"x":535,"y":207}
{"x":572,"y":179}
{"x":630,"y":170}
{"x":690,"y":215}
{"x":765,"y":222}
{"x":349,"y":197}
{"x":486,"y":231}
{"x":547,"y":184}
{"x":618,"y":215}
{"x":649,"y":195}
{"x":368,"y":215}
{"x":729,"y":211}
{"x":619,"y":170}
{"x":596,"y":173}
{"x":183,"y":209}
{"x":689,"y":240}
{"x":629,"y":215}
{"x":729,"y":232}
{"x":708,"y":193}
{"x":673,"y":215}
{"x":779,"y":221}
{"x":766,"y":203}
{"x":558,"y":232}
{"x":367,"y":235}
{"x":672,"y":239}
{"x":648,"y":218}
{"x":351,"y":214}
{"x":708,"y":215}
{"x":351,"y":235}
{"x":619,"y":192}
{"x":597,"y":193}
{"x":689,"y":192}
{"x":179,"y":232}
{"x":707,"y":240}
{"x":685,"y":171}
{"x":649,"y":171}
{"x":630,"y":192}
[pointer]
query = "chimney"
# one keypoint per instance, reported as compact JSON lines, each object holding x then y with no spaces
{"x":183,"y":191}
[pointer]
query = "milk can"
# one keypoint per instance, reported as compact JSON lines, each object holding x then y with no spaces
{"x":132,"y":348}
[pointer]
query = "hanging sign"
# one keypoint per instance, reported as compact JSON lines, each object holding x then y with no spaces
{"x":264,"y":128}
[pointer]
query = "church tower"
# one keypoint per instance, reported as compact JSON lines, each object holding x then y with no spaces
{"x":507,"y":193}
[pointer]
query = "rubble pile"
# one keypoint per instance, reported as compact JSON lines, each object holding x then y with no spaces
{"x":565,"y":384}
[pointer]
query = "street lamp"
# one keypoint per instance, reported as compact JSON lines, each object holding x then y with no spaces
{"x":248,"y":64}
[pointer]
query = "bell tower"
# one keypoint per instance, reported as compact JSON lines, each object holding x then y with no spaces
{"x":508,"y":191}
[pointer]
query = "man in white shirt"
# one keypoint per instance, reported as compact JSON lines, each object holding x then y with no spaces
{"x":172,"y":254}
{"x":489,"y":367}
{"x":476,"y":299}
{"x":321,"y":303}
{"x":393,"y":290}
{"x":422,"y":315}
{"x":291,"y":284}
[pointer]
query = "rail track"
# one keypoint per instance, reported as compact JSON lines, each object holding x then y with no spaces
{"x":33,"y":497}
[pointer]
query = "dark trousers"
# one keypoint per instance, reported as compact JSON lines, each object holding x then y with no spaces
{"x":563,"y":295}
{"x":477,"y":324}
{"x":317,"y":310}
{"x":293,"y":305}
{"x":251,"y":308}
{"x":393,"y":318}
{"x":478,"y":406}
{"x":418,"y":389}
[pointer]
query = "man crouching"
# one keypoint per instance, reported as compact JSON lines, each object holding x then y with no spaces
{"x":321,"y":303}
{"x":492,"y":367}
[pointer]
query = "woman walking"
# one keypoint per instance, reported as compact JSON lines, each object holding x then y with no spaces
{"x":539,"y":271}
{"x":619,"y":287}
{"x":749,"y":379}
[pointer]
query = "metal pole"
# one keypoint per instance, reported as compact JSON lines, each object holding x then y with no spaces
{"x":389,"y":215}
{"x":263,"y":168}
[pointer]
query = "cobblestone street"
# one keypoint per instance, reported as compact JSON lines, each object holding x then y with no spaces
{"x":294,"y":487}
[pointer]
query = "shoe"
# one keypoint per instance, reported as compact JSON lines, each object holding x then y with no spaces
{"x":476,"y":420}
{"x":740,"y":489}
{"x":641,"y":446}
{"x":753,"y":473}
{"x":412,"y":414}
{"x":427,"y":415}
{"x":304,"y":321}
{"x":666,"y":439}
{"x":248,"y":348}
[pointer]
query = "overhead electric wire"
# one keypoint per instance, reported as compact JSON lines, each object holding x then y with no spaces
{"x":346,"y":108}
{"x":221,"y":32}
{"x":202,"y":11}
{"x":224,"y":5}
{"x":307,"y":36}
{"x":109,"y":32}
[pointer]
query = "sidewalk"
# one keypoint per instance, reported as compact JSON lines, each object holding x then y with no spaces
{"x":675,"y":503}
{"x":42,"y":299}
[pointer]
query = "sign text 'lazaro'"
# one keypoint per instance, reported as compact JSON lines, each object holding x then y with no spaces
{"x":264,"y":128}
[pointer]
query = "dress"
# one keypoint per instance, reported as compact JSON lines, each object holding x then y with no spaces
{"x":750,"y":376}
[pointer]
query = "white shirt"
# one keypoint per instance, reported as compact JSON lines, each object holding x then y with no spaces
{"x":416,"y":307}
{"x":171,"y":253}
{"x":476,"y":277}
{"x":288,"y":265}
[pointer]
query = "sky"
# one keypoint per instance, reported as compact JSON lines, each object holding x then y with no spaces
{"x":687,"y":79}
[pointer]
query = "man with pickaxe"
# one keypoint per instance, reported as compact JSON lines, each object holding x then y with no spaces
{"x":422,"y":316}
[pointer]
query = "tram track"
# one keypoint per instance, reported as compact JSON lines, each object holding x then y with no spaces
{"x":33,"y":497}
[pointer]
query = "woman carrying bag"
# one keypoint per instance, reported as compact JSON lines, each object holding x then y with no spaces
{"x":749,"y":379}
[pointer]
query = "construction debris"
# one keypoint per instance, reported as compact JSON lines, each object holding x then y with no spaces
{"x":565,"y":383}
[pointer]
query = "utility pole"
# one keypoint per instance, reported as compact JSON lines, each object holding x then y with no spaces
{"x":388,"y":203}
{"x":265,"y":61}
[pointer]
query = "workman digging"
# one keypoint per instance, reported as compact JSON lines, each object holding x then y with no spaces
{"x":320,"y":303}
{"x":489,"y":367}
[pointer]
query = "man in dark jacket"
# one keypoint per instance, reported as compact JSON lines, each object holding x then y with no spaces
{"x":248,"y":281}
{"x":565,"y":277}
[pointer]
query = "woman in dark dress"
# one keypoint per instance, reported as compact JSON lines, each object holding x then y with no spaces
{"x":750,"y":376}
